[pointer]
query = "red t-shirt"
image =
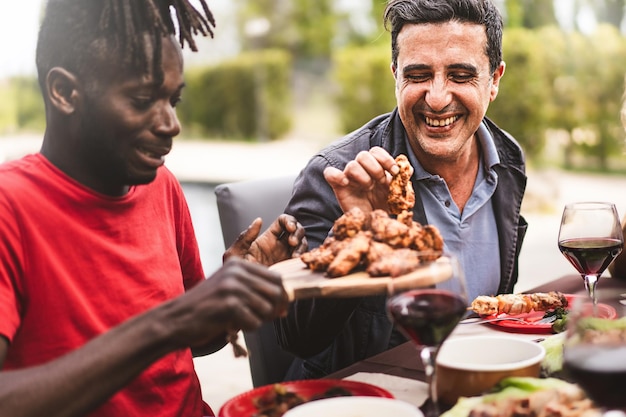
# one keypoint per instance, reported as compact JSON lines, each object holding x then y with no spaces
{"x":74,"y":263}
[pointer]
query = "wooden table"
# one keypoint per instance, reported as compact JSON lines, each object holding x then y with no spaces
{"x":403,"y":360}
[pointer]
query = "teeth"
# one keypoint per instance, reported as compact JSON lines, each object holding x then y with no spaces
{"x":151,"y":154}
{"x":441,"y":122}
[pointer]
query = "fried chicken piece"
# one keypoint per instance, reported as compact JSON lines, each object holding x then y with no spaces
{"x":374,"y":215}
{"x":401,"y":194}
{"x":377,"y":250}
{"x":398,"y":262}
{"x":429,"y":242}
{"x":388,"y":230}
{"x":350,"y":256}
{"x":349,"y":224}
{"x":374,"y":221}
{"x":319,"y":258}
{"x":406,"y":217}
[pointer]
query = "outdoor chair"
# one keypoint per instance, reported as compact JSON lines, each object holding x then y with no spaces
{"x":238,"y":203}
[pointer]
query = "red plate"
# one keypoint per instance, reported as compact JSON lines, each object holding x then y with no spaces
{"x":243,"y":405}
{"x":529,"y":324}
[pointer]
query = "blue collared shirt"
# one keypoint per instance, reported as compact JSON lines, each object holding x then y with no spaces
{"x":472,"y":236}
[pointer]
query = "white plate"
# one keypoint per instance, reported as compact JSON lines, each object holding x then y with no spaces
{"x":355,"y":407}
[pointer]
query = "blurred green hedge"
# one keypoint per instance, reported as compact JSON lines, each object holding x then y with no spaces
{"x":21,"y":107}
{"x":365,"y":84}
{"x":247,"y":97}
{"x":567,"y":82}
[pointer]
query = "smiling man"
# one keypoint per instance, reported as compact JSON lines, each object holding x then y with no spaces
{"x":103,"y":299}
{"x":469,"y":175}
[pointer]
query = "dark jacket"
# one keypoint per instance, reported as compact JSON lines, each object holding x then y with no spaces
{"x":331,"y":334}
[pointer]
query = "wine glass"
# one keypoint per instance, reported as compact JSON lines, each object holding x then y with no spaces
{"x":427,"y":316}
{"x":594,"y":351}
{"x":590,"y":237}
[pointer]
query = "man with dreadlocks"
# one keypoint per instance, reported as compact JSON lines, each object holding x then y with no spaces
{"x":102,"y":293}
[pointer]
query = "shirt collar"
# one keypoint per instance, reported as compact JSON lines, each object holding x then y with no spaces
{"x":490,"y":156}
{"x":489,"y":151}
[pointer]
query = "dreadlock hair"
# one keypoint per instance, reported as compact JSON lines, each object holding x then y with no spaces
{"x":80,"y":35}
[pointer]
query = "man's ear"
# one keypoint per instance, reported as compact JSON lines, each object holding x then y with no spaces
{"x":63,"y":90}
{"x":495,"y":84}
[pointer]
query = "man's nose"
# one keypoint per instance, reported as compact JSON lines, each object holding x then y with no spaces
{"x":167,"y":123}
{"x":438,"y":95}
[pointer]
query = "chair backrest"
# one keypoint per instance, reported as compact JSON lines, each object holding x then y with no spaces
{"x":238,"y":203}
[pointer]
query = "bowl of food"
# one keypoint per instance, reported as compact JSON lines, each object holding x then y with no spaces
{"x":472,"y":365}
{"x":276,"y":399}
{"x":355,"y":406}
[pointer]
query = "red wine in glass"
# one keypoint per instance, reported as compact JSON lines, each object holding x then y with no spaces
{"x":600,"y":370}
{"x":590,"y":256}
{"x":427,"y":316}
{"x":590,"y":237}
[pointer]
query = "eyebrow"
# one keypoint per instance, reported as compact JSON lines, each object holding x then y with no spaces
{"x":415,"y":67}
{"x":466,"y":67}
{"x":422,"y":67}
{"x":155,"y":85}
{"x":158,"y":86}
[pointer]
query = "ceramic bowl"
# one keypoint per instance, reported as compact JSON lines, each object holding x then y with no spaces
{"x":472,"y":365}
{"x":355,"y":406}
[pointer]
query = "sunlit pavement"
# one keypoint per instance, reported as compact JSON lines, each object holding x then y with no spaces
{"x":224,"y":376}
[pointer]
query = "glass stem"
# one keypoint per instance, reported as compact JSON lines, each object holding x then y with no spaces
{"x":590,"y":285}
{"x":429,"y":355}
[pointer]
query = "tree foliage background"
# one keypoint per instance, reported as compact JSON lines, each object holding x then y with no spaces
{"x":560,"y":96}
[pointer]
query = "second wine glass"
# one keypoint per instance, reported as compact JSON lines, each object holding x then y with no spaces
{"x":427,"y":316}
{"x":594,"y":351}
{"x":590,"y":237}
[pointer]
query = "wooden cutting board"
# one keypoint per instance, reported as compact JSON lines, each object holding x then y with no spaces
{"x":300,"y":282}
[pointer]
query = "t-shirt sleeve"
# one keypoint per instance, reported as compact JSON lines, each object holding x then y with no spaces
{"x":11,"y":262}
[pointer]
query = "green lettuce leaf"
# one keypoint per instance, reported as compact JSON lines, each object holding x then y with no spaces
{"x":553,"y":361}
{"x":597,"y":323}
{"x":507,"y":388}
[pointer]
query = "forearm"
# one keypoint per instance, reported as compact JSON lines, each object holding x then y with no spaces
{"x":313,"y":203}
{"x":80,"y":381}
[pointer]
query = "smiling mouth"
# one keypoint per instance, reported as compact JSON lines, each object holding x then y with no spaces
{"x":152,"y":154}
{"x":441,"y":122}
